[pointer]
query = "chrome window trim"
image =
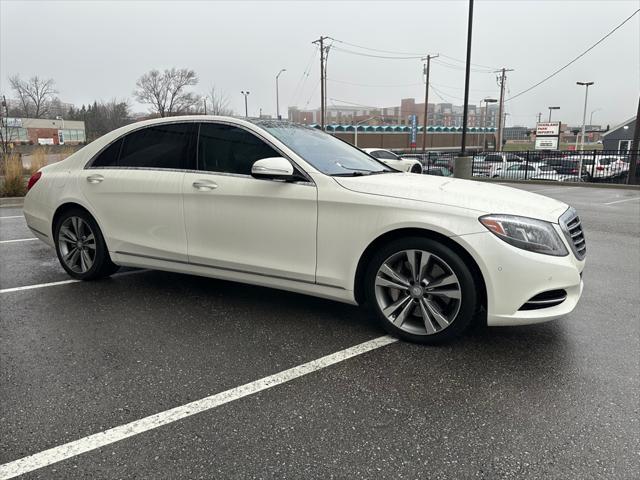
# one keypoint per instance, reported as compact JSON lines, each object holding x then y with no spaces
{"x":88,"y":165}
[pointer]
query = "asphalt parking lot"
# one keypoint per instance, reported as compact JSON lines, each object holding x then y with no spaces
{"x":556,"y":400}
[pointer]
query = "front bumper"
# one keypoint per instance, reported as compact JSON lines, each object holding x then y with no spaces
{"x":513,"y":276}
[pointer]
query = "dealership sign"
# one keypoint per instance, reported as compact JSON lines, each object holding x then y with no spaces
{"x":546,"y":143}
{"x":547,"y":135}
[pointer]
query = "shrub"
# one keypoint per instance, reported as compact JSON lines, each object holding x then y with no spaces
{"x":38,"y":160}
{"x":14,"y":182}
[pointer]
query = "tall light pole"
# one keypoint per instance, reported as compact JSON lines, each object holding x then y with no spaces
{"x":584,"y":113}
{"x":486,"y":107}
{"x":357,"y":124}
{"x":246,"y":108}
{"x":277,"y":94}
{"x":591,"y":116}
{"x":465,"y":112}
{"x":550,"y":110}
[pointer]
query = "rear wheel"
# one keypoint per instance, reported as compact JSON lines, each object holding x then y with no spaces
{"x":80,"y":246}
{"x":421,"y":290}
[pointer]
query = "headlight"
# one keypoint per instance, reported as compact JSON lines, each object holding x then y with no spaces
{"x":526,"y":233}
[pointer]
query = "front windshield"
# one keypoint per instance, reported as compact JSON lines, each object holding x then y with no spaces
{"x":325,"y":152}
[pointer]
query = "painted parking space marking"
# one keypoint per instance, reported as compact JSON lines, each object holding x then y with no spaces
{"x":19,"y":240}
{"x":623,"y":200}
{"x":61,"y":282}
{"x":101,"y":439}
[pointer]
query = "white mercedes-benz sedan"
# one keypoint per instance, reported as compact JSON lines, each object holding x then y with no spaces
{"x":392,"y":160}
{"x":287,"y":206}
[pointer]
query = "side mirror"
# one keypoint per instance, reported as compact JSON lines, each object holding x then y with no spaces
{"x":273,"y":168}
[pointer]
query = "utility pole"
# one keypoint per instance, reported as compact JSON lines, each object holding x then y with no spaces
{"x":278,"y":94}
{"x":503,"y":78}
{"x":539,"y":117}
{"x":426,"y":69}
{"x":323,"y":84}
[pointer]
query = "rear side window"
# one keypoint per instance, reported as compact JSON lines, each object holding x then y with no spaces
{"x":385,"y":155}
{"x":109,"y":156}
{"x":160,"y":146}
{"x":229,"y":149}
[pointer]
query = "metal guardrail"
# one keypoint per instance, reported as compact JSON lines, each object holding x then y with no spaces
{"x":595,"y":166}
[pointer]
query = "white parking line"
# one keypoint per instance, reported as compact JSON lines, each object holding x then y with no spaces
{"x":101,"y":439}
{"x":13,"y":216}
{"x":625,"y":200}
{"x":19,"y":240}
{"x":62,"y":282}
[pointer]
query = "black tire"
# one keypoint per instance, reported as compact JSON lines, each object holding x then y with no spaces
{"x":468,"y":303}
{"x":416,"y":169}
{"x":102,"y":265}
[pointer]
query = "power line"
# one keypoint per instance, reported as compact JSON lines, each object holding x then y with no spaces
{"x":375,"y":49}
{"x":376,"y":56}
{"x":374,"y":86}
{"x":575,"y":59}
{"x":297,"y":92}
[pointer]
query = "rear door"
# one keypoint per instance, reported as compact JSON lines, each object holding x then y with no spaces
{"x":135,"y":189}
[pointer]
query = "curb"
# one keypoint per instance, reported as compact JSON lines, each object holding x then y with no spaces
{"x":11,"y":201}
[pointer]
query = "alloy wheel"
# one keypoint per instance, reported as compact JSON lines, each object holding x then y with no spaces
{"x":77,"y":244}
{"x":418,"y":292}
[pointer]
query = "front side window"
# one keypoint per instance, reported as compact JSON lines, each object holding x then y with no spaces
{"x":323,"y":151}
{"x":229,"y":149}
{"x":160,"y":146}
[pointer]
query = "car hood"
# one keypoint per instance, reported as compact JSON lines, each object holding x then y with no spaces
{"x":480,"y":197}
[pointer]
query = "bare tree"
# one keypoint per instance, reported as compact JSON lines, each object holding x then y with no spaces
{"x":166,"y":91}
{"x":7,"y":131}
{"x":35,"y":95}
{"x":218,"y":102}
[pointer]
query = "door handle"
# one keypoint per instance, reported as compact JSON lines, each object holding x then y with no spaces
{"x":204,"y":185}
{"x":95,"y":178}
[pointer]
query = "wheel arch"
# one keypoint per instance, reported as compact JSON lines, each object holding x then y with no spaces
{"x":70,"y":205}
{"x":386,"y":237}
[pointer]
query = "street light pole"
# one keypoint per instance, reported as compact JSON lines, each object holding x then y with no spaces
{"x":277,"y":94}
{"x":591,"y":116}
{"x":584,"y":112}
{"x":246,"y":107}
{"x":550,"y":110}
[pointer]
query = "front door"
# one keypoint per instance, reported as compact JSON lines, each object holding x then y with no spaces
{"x":240,"y":223}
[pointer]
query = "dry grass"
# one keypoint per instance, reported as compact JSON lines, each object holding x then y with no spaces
{"x":67,"y":151}
{"x":38,"y":160}
{"x":14,"y":182}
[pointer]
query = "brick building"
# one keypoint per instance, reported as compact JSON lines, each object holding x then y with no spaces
{"x":44,"y":131}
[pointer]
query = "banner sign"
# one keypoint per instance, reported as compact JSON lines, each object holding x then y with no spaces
{"x":414,"y":129}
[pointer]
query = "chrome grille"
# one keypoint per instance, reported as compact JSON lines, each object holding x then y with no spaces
{"x":572,"y":228}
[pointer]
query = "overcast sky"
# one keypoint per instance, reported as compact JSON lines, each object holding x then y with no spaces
{"x":97,"y":50}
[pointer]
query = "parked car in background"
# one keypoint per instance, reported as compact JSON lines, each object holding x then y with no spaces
{"x":492,"y":163}
{"x":524,"y":171}
{"x":602,"y":167}
{"x":394,"y":161}
{"x":567,"y":166}
{"x":557,"y":177}
{"x":438,"y":171}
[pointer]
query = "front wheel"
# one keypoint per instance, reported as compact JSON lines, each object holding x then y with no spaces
{"x":80,"y":246}
{"x":421,"y":290}
{"x":416,"y":169}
